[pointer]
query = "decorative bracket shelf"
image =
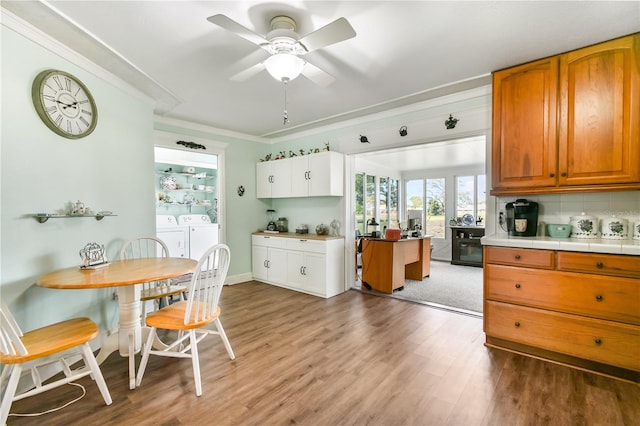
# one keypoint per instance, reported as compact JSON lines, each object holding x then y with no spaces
{"x":43,"y":217}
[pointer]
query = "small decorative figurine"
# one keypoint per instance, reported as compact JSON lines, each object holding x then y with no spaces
{"x":451,"y":122}
{"x":292,"y":154}
{"x":326,"y":147}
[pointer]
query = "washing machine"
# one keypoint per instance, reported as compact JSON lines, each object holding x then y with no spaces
{"x":175,"y":236}
{"x":202,"y":233}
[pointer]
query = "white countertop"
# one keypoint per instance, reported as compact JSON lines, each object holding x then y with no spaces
{"x":631,"y":247}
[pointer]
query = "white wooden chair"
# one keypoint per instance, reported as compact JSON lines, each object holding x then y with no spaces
{"x":34,"y":349}
{"x":156,"y":291}
{"x":191,"y":316}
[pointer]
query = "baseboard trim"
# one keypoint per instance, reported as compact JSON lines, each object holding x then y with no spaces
{"x":240,"y":278}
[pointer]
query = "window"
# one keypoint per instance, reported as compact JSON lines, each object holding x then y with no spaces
{"x":370,"y":203}
{"x":393,"y":202}
{"x":429,"y":193}
{"x":359,"y":202}
{"x":471,"y":197}
{"x":384,"y":210}
{"x":415,"y":202}
{"x":436,"y":212}
{"x":383,"y":202}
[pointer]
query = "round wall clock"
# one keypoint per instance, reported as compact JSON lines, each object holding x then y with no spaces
{"x":64,"y":104}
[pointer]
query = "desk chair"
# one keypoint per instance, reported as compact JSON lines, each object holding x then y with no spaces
{"x":160,"y":291}
{"x":45,"y":346}
{"x":190,"y":317}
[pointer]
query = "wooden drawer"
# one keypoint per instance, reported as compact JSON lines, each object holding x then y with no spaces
{"x":596,"y":340}
{"x":596,"y":296}
{"x":530,"y":258}
{"x":602,"y":264}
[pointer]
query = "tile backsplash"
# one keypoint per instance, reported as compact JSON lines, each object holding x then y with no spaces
{"x":558,"y":208}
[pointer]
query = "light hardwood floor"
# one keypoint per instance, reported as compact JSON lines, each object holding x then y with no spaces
{"x":355,"y":359}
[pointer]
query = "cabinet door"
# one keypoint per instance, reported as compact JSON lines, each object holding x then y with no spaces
{"x":300,"y":176}
{"x":599,"y":139}
{"x":259,"y":262}
{"x":314,"y":273}
{"x":295,"y":264}
{"x":281,"y":185}
{"x":277,"y":265}
{"x":524,"y":125}
{"x":263,"y":179}
{"x":326,"y":174}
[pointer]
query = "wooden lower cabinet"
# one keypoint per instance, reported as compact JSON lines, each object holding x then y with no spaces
{"x":588,"y":317}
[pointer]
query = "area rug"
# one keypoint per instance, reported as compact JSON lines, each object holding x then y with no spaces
{"x":449,"y":285}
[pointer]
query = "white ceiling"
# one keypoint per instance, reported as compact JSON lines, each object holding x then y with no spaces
{"x":403,"y":52}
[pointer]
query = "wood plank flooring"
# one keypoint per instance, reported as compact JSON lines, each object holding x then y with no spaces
{"x":355,"y":359}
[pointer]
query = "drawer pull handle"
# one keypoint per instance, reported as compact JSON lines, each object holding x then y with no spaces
{"x":517,"y":324}
{"x":600,"y":265}
{"x":552,"y":175}
{"x":517,"y":257}
{"x":598,"y":341}
{"x":517,"y":285}
{"x":599,"y":298}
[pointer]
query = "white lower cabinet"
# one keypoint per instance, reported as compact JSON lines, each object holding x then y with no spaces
{"x":308,"y":265}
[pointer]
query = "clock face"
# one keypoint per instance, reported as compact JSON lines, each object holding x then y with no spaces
{"x":64,"y":104}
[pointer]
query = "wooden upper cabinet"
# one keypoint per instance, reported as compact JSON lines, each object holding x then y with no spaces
{"x":524,"y":125}
{"x":600,"y":114}
{"x":570,"y":122}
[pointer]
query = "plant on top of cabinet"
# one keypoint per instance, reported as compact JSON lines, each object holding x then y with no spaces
{"x":569,"y":123}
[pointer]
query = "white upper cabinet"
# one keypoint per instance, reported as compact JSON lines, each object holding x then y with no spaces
{"x":273,"y":179}
{"x":314,"y":175}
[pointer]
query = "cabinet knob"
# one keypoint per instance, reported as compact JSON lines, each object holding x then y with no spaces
{"x":552,"y":175}
{"x":517,"y":257}
{"x":600,"y":265}
{"x":599,"y":298}
{"x":517,"y":285}
{"x":563,"y":174}
{"x":598,"y":341}
{"x":517,"y":324}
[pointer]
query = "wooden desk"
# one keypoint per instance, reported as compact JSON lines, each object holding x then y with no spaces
{"x":126,"y":273}
{"x":386,"y":263}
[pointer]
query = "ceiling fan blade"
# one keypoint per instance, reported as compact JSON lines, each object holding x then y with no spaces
{"x":315,"y":74}
{"x":332,"y":33}
{"x":231,"y":25}
{"x":248,"y":73}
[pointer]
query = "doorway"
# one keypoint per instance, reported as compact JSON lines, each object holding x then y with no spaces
{"x":443,"y":170}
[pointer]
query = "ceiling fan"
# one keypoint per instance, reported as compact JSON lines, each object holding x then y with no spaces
{"x":285,"y":47}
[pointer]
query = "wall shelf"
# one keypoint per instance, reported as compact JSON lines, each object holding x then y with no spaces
{"x":43,"y":217}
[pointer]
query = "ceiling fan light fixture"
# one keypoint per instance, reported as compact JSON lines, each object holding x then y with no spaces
{"x":284,"y":66}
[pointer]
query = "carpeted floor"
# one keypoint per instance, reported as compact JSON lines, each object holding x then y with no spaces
{"x":449,"y":286}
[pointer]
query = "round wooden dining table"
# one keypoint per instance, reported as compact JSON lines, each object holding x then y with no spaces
{"x":128,"y":274}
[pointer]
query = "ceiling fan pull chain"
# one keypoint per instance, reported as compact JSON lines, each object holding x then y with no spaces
{"x":285,"y":117}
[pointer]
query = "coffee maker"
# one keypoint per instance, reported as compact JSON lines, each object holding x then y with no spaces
{"x":522,"y":218}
